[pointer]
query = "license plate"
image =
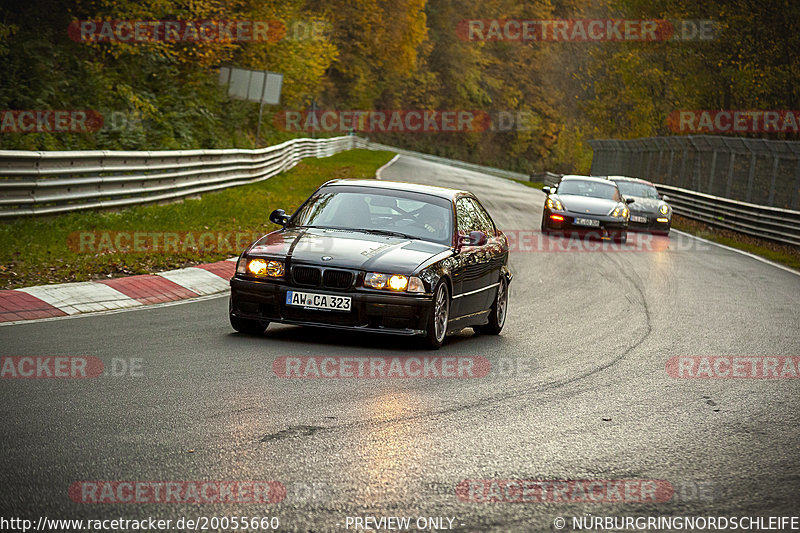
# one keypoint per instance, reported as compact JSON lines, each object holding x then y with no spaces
{"x":586,"y":222}
{"x":643,"y":220}
{"x":318,"y":301}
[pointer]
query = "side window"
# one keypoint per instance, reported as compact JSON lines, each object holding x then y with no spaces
{"x":465,"y":215}
{"x":484,"y":220}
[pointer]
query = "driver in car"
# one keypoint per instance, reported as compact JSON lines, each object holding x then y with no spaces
{"x":432,"y":219}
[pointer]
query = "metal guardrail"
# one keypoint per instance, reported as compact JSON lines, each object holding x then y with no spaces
{"x":39,"y":183}
{"x":781,"y":225}
{"x":764,"y":222}
{"x":43,"y":183}
{"x":548,"y":178}
{"x":757,"y":171}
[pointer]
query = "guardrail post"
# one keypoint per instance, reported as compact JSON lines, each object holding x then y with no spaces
{"x":660,"y":158}
{"x":730,"y":175}
{"x":711,"y":174}
{"x":696,"y":172}
{"x":669,"y":168}
{"x":684,"y":157}
{"x":750,"y":176}
{"x":771,"y":200}
{"x":640,"y":166}
{"x":796,"y":189}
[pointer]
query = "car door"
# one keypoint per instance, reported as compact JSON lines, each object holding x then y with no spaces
{"x":469,"y":279}
{"x":493,"y":254}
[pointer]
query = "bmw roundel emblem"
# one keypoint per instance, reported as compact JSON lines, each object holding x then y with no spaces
{"x":326,"y":258}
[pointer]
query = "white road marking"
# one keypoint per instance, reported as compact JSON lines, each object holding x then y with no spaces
{"x":82,"y":297}
{"x":738,"y":251}
{"x":380,"y":170}
{"x":197,"y":280}
{"x":115,"y":311}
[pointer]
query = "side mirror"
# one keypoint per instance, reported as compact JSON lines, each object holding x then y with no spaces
{"x":665,"y":198}
{"x":628,"y":200}
{"x":546,"y":189}
{"x":279,"y":217}
{"x":475,"y":238}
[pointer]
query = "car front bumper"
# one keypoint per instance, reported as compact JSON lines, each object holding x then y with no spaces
{"x":652,"y":223}
{"x":397,"y":314}
{"x":607,"y":225}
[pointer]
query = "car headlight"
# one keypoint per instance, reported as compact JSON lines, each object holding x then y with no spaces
{"x":620,"y":211}
{"x":393,"y":282}
{"x":260,"y":267}
{"x":664,"y":209}
{"x":554,"y":204}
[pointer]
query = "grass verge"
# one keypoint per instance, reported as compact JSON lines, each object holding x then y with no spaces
{"x":779,"y":253}
{"x":88,"y":245}
{"x":532,"y":184}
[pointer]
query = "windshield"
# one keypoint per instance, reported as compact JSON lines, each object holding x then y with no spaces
{"x":635,"y":188}
{"x":413,"y":215}
{"x":594,"y":189}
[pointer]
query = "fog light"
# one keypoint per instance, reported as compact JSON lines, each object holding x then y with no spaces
{"x":662,"y":219}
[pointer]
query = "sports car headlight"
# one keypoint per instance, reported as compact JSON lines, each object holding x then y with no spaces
{"x":620,"y":211}
{"x":265,"y":267}
{"x":664,"y":209}
{"x":554,"y":204}
{"x":393,"y":282}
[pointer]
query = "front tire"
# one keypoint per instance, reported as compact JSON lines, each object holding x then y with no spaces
{"x":250,"y":327}
{"x":497,"y":316}
{"x":439,"y":317}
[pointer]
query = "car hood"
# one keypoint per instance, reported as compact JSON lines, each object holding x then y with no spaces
{"x":346,"y":249}
{"x":644,"y":205}
{"x":587,"y":205}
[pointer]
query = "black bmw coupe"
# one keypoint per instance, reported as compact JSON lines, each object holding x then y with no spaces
{"x":377,"y":256}
{"x":587,"y":206}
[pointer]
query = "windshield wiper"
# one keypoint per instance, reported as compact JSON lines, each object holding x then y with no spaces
{"x":386,"y":232}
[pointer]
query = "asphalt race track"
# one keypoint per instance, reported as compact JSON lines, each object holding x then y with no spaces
{"x":578,"y":391}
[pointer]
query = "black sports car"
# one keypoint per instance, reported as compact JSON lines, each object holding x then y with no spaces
{"x":377,"y":256}
{"x":650,"y":211}
{"x":587,"y":206}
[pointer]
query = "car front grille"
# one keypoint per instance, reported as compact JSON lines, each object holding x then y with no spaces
{"x":309,"y":276}
{"x":315,"y":277}
{"x":337,"y":279}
